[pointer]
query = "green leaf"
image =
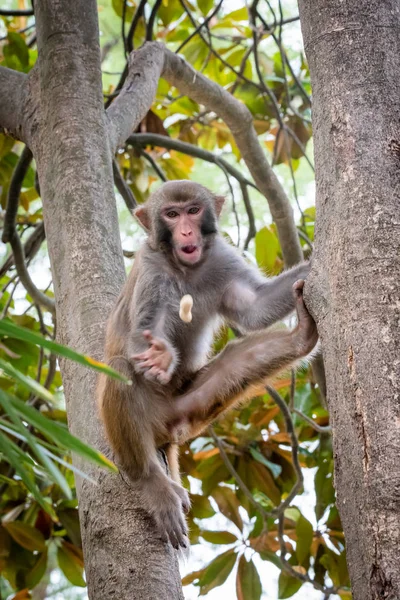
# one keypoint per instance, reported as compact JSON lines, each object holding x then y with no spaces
{"x":16,"y":47}
{"x":60,"y":434}
{"x":70,"y":561}
{"x":11,"y":452}
{"x":27,"y":382}
{"x":228,"y":504}
{"x":288,"y":586}
{"x":219,"y":537}
{"x":33,"y":576}
{"x":69,"y":518}
{"x":20,"y":333}
{"x":54,"y":473}
{"x":267,"y":248}
{"x":248,"y":584}
{"x":217,"y":572}
{"x":275,"y":469}
{"x":205,"y":6}
{"x":201,"y":507}
{"x":305,"y":534}
{"x":26,"y":536}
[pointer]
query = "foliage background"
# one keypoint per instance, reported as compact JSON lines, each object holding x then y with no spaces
{"x":255,"y":52}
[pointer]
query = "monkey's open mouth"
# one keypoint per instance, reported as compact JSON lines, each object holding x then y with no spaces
{"x":189,"y":249}
{"x":189,"y":254}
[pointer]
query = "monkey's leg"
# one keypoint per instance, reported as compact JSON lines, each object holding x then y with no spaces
{"x":240,"y":369}
{"x":127,"y":413}
{"x":172,"y":452}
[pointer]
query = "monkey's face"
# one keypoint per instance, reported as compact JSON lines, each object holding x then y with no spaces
{"x":181,"y":219}
{"x":185,"y":221}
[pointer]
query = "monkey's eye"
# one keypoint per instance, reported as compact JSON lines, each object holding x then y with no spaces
{"x":172,"y":214}
{"x":193,"y":210}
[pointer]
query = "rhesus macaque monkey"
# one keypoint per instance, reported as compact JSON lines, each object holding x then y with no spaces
{"x":176,"y":392}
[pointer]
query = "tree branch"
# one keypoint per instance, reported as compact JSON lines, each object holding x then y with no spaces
{"x":12,"y":84}
{"x":16,"y":12}
{"x":10,"y":233}
{"x":154,"y":60}
{"x":123,"y":188}
{"x":156,"y":139}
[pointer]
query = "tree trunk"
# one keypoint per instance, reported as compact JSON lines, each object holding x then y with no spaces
{"x":353,"y":50}
{"x":69,"y":136}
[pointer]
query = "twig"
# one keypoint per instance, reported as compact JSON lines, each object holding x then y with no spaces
{"x":156,"y":139}
{"x":14,"y":12}
{"x":150,"y":24}
{"x":199,"y":27}
{"x":250,"y":215}
{"x":241,"y":484}
{"x":123,"y":187}
{"x":153,"y":163}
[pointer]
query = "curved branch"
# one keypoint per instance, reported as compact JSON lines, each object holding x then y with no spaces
{"x":10,"y":233}
{"x":163,"y":141}
{"x":123,"y":188}
{"x":154,"y":60}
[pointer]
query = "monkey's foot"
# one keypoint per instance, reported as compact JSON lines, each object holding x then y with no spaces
{"x":156,"y":363}
{"x":305,"y":334}
{"x":167,"y":512}
{"x":183,"y":495}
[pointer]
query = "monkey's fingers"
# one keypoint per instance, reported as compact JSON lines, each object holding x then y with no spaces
{"x":155,"y":342}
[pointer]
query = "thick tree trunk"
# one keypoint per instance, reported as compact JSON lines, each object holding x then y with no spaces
{"x":123,"y":557}
{"x":353,"y":50}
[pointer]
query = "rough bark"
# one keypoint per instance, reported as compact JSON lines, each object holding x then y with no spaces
{"x":353,"y":50}
{"x":123,"y":556}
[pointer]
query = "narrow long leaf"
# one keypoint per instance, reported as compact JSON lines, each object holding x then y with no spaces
{"x":53,"y":471}
{"x":7,"y":447}
{"x":60,"y":434}
{"x":27,"y":382}
{"x":20,"y":333}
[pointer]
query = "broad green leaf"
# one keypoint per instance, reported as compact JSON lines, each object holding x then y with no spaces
{"x":33,"y":576}
{"x":260,"y":478}
{"x":69,"y":518}
{"x":248,"y":584}
{"x":205,"y":6}
{"x":305,"y":533}
{"x":26,"y":536}
{"x":275,"y":469}
{"x":267,"y":248}
{"x":201,"y":507}
{"x":70,"y":561}
{"x":228,"y":504}
{"x":288,"y":586}
{"x":217,"y":571}
{"x":219,"y":537}
{"x":8,"y":328}
{"x":60,"y":434}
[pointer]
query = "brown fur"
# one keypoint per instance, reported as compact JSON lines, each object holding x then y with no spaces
{"x":163,"y":409}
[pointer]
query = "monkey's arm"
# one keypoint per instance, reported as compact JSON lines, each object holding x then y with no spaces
{"x":150,"y":346}
{"x":253,"y":302}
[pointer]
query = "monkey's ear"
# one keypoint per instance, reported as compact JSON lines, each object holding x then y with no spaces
{"x":142,"y":215}
{"x":219,"y":202}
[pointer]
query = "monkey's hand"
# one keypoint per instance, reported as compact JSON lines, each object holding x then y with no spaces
{"x":158,"y":362}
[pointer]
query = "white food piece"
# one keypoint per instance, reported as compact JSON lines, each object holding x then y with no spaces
{"x":185,"y":308}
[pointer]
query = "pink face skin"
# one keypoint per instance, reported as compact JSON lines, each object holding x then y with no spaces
{"x":184,"y":222}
